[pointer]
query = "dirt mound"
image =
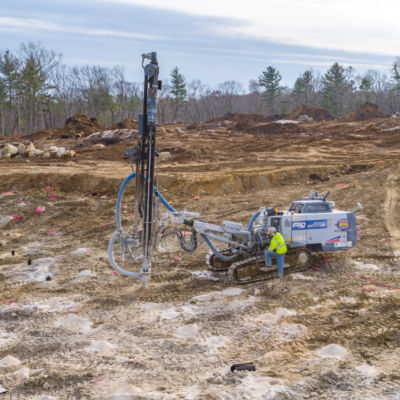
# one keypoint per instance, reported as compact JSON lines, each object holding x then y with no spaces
{"x":316,"y":113}
{"x":81,"y":123}
{"x":275,"y":128}
{"x":127,"y":123}
{"x":365,"y":111}
{"x":242,"y":121}
{"x":242,"y":117}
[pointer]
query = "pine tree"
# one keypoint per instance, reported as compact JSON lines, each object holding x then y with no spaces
{"x":365,"y":88}
{"x":178,"y":90}
{"x":334,"y":85}
{"x":269,"y":80}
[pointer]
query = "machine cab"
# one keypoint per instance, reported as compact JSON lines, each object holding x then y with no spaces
{"x":315,"y":223}
{"x":312,"y":204}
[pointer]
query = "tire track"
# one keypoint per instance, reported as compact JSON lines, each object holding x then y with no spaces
{"x":392,"y":211}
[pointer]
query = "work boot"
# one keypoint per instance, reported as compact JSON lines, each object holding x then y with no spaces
{"x":265,"y":268}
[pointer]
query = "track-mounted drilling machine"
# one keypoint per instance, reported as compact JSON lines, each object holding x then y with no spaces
{"x":310,"y":225}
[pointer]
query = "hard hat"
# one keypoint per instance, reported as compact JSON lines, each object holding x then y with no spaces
{"x":272,"y":230}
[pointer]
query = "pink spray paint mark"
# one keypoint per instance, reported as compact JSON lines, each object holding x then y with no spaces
{"x":47,"y":188}
{"x":115,"y":272}
{"x":51,"y":233}
{"x":39,"y":210}
{"x":89,"y":255}
{"x":196,"y":197}
{"x":53,"y":196}
{"x":16,"y":218}
{"x":178,"y":259}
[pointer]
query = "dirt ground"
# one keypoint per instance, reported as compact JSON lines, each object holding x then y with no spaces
{"x":71,"y":328}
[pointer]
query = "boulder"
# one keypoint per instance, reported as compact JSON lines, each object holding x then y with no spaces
{"x":99,"y":146}
{"x":5,"y":220}
{"x":46,"y":155}
{"x":61,"y":150}
{"x":21,"y":148}
{"x":9,"y":149}
{"x":304,"y":118}
{"x":52,"y":149}
{"x":110,"y":137}
{"x":179,"y":130}
{"x":69,"y":153}
{"x":9,"y":362}
{"x":165,"y":155}
{"x":1,"y":153}
{"x":38,"y":152}
{"x":30,"y":154}
{"x":29,"y":147}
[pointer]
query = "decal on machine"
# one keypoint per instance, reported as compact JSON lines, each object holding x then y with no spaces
{"x":299,"y":225}
{"x":333,"y":240}
{"x":343,"y":224}
{"x":311,"y":224}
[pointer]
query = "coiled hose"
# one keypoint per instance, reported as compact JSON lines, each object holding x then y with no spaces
{"x":119,"y":231}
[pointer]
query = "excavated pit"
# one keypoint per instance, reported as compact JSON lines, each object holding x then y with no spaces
{"x":77,"y":330}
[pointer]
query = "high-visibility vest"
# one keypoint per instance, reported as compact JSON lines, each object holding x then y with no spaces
{"x":278,"y":243}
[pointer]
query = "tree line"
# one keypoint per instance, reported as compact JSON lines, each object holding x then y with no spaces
{"x":38,"y":92}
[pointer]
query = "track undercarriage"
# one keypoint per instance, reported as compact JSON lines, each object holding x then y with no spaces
{"x":244,"y":270}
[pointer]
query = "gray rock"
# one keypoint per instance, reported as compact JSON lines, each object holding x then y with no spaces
{"x":179,"y":130}
{"x":304,"y":118}
{"x":69,"y":153}
{"x":38,"y":152}
{"x":21,"y":148}
{"x":52,"y":149}
{"x":61,"y":150}
{"x":10,"y":149}
{"x":46,"y":155}
{"x":110,"y":137}
{"x":165,"y":155}
{"x":9,"y":362}
{"x":29,"y":147}
{"x":5,"y":220}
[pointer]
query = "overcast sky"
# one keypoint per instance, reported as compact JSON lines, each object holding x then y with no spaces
{"x":211,"y":40}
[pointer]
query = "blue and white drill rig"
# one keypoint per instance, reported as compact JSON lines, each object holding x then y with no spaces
{"x":310,"y":225}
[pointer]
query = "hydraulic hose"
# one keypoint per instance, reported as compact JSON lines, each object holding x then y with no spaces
{"x":216,"y":252}
{"x":119,"y":229}
{"x":112,"y":261}
{"x":253,"y":218}
{"x":119,"y":200}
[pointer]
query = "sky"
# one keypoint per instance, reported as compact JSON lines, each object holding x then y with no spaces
{"x":210,"y":40}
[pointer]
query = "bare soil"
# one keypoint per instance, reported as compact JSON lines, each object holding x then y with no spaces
{"x":316,"y":113}
{"x":82,"y":332}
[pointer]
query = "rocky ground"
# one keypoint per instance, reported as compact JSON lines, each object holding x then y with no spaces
{"x":73,"y":329}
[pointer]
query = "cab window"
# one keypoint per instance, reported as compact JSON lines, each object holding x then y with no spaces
{"x":296,"y":207}
{"x":314,"y":208}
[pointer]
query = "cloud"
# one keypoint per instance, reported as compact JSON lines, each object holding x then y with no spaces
{"x":363,"y":26}
{"x":24,"y":24}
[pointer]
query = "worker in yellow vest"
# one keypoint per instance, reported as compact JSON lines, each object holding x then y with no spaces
{"x":277,"y":248}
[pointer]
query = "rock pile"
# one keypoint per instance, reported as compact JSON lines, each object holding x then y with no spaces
{"x":110,"y":137}
{"x":28,"y":149}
